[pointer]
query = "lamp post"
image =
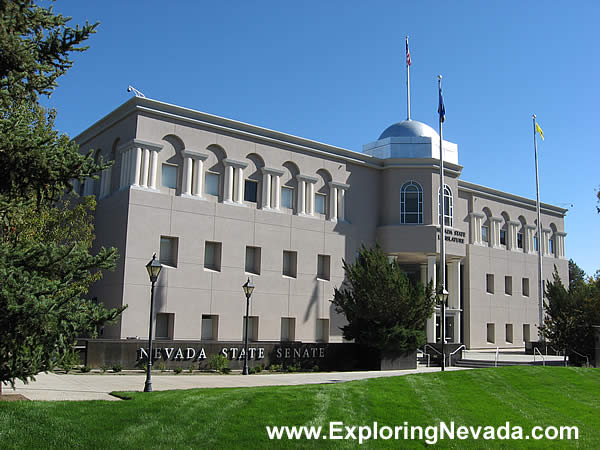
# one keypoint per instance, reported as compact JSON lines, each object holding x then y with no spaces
{"x":443,"y":302}
{"x":153,"y":267}
{"x":248,"y":289}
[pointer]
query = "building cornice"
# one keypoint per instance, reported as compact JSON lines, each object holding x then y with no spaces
{"x":141,"y":144}
{"x":505,"y":197}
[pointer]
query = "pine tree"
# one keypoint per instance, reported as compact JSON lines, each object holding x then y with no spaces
{"x":46,"y":263}
{"x":384,"y":309}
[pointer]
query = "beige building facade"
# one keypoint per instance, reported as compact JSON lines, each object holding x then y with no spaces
{"x":221,"y":201}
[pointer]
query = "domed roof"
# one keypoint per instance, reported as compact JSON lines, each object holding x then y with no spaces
{"x":409,"y":128}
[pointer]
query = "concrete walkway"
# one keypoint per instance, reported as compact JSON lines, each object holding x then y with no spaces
{"x":96,"y":386}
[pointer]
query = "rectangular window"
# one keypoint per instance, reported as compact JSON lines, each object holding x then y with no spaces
{"x":253,"y":260}
{"x":320,"y":203}
{"x":508,"y":285}
{"x":323,"y":266}
{"x":251,"y":191}
{"x":212,"y":256}
{"x":289,"y":263}
{"x":288,"y":329}
{"x":520,"y":240}
{"x":168,"y":251}
{"x":322,"y":330}
{"x":491,"y":333}
{"x":484,"y":234}
{"x":211,"y":183}
{"x":252,"y":328}
{"x":210,"y":325}
{"x":526,"y":332}
{"x":503,"y":237}
{"x":509,"y":333}
{"x":169,"y":176}
{"x":551,"y":246}
{"x":525,"y":287}
{"x":164,"y":325}
{"x":287,"y":198}
{"x":535,"y":243}
{"x":489,"y":283}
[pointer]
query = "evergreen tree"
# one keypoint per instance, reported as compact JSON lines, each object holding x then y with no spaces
{"x":384,"y":309}
{"x":570,"y":314}
{"x":46,"y":263}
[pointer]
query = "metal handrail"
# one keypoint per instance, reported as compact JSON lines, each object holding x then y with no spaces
{"x":587,"y":360}
{"x":535,"y":349}
{"x":432,"y":348}
{"x":462,"y":347}
{"x":497,"y":356}
{"x":428,"y":356}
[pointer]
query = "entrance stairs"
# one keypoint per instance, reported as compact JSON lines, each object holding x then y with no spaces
{"x":501,"y":358}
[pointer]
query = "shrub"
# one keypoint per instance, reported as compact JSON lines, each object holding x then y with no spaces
{"x":220,"y":363}
{"x":104,"y":368}
{"x":276,"y":368}
{"x":190,"y":369}
{"x":160,"y":366}
{"x":116,"y":367}
{"x":177,"y":370}
{"x":69,"y":360}
{"x":85,"y":369}
{"x":315,"y":368}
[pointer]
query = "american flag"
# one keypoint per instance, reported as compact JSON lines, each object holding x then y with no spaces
{"x":407,"y":54}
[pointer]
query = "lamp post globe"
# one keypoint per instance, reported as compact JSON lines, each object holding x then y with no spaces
{"x":153,"y":267}
{"x":248,"y":288}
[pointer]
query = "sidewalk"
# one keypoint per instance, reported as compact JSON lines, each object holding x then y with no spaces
{"x":92,"y":386}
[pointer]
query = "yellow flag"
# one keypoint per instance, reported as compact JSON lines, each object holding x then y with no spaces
{"x":539,"y":130}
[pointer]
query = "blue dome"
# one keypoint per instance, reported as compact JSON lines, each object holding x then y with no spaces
{"x":409,"y":128}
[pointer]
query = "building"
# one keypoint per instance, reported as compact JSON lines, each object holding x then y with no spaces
{"x":221,"y":201}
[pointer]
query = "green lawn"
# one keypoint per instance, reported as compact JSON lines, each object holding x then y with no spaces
{"x":226,"y":418}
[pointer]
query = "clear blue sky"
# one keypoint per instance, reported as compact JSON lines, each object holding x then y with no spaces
{"x":334,"y":72}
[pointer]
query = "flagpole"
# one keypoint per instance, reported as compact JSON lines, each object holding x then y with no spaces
{"x":442,"y":213}
{"x":539,"y":233}
{"x":407,"y":81}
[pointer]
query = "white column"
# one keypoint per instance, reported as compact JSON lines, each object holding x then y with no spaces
{"x":239,"y":188}
{"x":311,"y":199}
{"x":146,"y":168}
{"x":454,"y":284}
{"x":140,"y":167}
{"x":495,"y":231}
{"x":186,"y":185}
{"x":277,"y":192}
{"x":266,"y":191}
{"x":198,"y":177}
{"x":431,"y":277}
{"x":301,"y":197}
{"x":333,"y":202}
{"x":123,"y":179}
{"x":131,"y":160}
{"x":342,"y":204}
{"x":423,"y":268}
{"x":153,"y":169}
{"x":101,"y":194}
{"x":228,"y":184}
{"x":546,"y":247}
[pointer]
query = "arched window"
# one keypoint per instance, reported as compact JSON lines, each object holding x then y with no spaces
{"x":448,"y":206}
{"x":411,"y":203}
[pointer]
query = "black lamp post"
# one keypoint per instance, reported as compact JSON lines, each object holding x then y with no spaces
{"x":153,"y":267}
{"x":442,"y":297}
{"x":248,"y":289}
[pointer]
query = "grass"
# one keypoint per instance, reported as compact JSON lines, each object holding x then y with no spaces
{"x":236,"y":418}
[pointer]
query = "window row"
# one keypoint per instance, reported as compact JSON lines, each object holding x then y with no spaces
{"x":508,"y":333}
{"x":501,"y":232}
{"x":490,"y":287}
{"x":209,"y":328}
{"x":411,"y":204}
{"x":212,"y":258}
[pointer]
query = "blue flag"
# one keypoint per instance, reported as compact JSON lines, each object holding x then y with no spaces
{"x":441,"y":109}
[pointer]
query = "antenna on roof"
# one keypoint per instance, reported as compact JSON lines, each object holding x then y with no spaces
{"x":137,"y":93}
